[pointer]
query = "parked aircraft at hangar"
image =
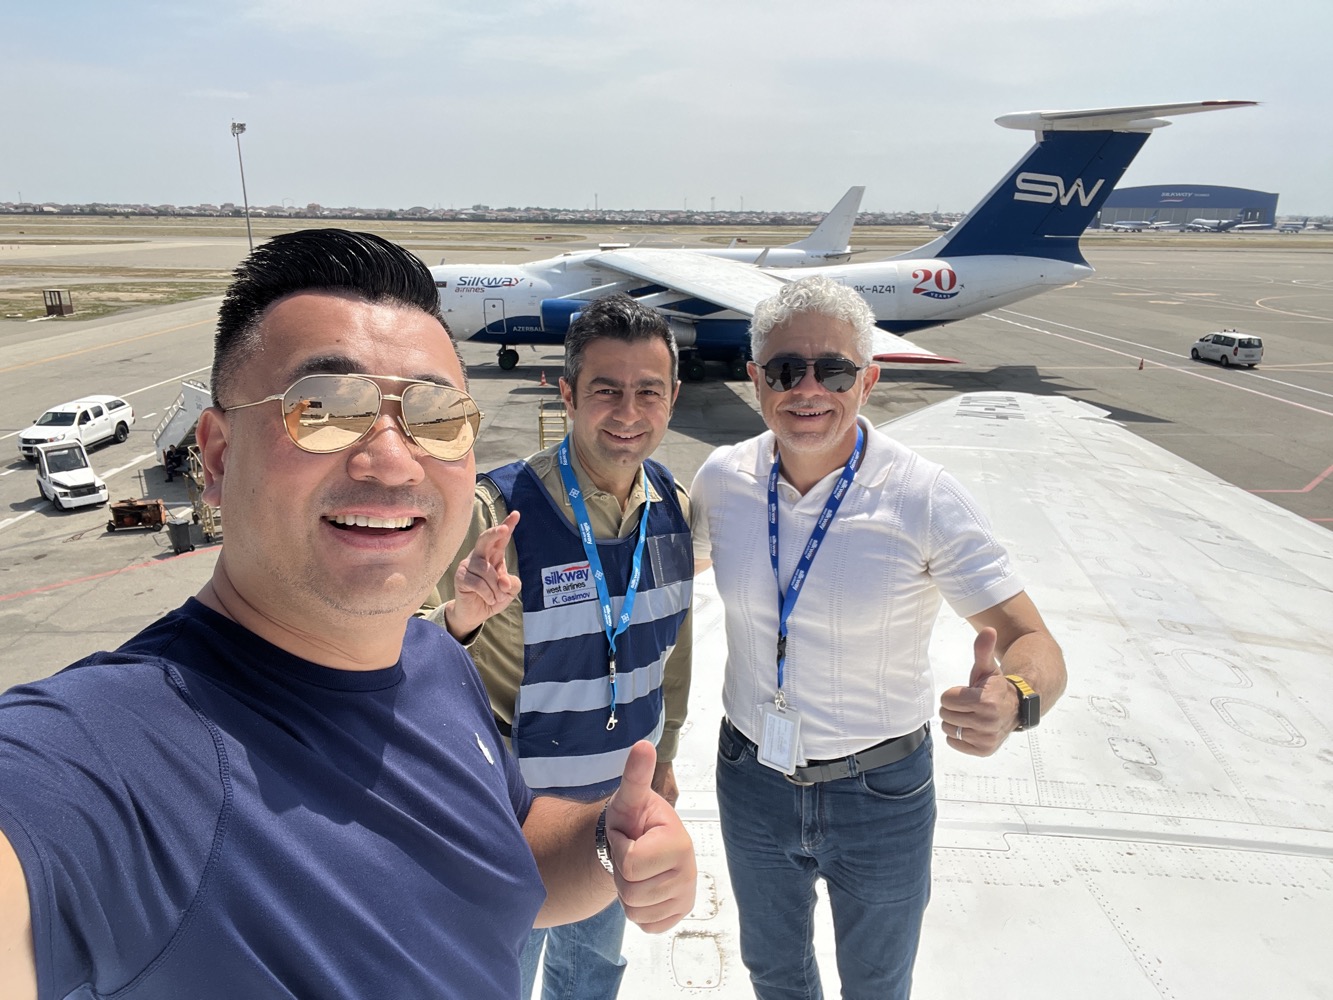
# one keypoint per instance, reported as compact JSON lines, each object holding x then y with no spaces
{"x":1212,"y":225}
{"x":1132,"y":225}
{"x":1021,"y":240}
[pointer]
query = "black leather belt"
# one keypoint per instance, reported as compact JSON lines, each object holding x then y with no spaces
{"x":880,"y":755}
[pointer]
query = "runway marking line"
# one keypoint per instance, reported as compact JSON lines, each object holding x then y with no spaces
{"x":1311,"y":485}
{"x":1159,"y":364}
{"x":102,"y":347}
{"x":1261,"y":303}
{"x":96,"y":576}
{"x":1183,"y":371}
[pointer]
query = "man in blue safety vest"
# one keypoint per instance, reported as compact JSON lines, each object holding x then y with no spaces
{"x":595,"y":654}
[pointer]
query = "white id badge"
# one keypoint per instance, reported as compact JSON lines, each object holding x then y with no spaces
{"x":780,"y":741}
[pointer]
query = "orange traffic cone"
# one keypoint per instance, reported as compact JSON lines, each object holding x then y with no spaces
{"x":1140,"y":364}
{"x":544,"y":382}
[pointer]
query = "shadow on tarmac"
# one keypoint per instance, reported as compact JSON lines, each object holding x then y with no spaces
{"x":950,"y":381}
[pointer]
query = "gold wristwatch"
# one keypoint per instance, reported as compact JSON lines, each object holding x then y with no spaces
{"x":1029,"y":702}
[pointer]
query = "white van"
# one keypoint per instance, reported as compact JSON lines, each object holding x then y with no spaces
{"x":90,"y":420}
{"x":1229,"y":348}
{"x":66,"y":477}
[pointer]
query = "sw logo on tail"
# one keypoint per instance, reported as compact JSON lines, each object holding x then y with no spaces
{"x":1047,"y":188}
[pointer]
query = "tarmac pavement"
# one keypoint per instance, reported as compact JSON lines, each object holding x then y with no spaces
{"x":1119,"y":341}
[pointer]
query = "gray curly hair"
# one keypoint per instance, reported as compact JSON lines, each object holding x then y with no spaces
{"x":816,"y":294}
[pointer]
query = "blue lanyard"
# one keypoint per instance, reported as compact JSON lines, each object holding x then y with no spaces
{"x":612,"y":626}
{"x":787,"y":602}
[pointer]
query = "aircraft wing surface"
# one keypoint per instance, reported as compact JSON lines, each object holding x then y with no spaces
{"x":1165,"y":831}
{"x":725,"y":283}
{"x":734,"y":286}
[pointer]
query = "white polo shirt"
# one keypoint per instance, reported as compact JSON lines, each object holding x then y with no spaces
{"x":858,"y":669}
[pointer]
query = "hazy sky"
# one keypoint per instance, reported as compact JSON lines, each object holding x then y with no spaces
{"x":667,"y":104}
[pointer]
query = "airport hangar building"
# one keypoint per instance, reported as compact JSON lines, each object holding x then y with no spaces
{"x":1182,"y":203}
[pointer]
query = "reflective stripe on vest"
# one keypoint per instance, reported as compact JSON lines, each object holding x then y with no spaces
{"x":559,"y":730}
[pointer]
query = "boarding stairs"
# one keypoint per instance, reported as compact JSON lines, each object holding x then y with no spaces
{"x":552,"y":424}
{"x":178,"y":423}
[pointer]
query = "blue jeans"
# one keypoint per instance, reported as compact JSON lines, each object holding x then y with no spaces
{"x":582,"y":961}
{"x":868,"y":836}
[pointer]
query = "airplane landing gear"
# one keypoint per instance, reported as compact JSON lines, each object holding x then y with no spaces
{"x":736,"y":370}
{"x":692,"y":368}
{"x":508,"y":358}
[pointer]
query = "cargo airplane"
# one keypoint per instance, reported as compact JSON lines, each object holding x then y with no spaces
{"x":1021,"y":240}
{"x":482,"y":303}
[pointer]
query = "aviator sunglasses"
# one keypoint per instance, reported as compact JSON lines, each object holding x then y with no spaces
{"x":834,"y":374}
{"x":327,"y":413}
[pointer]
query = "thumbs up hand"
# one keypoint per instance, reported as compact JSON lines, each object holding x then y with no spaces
{"x":650,"y":850}
{"x":977,"y":718}
{"x":984,"y":664}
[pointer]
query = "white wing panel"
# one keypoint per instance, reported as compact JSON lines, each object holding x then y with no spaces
{"x":728,"y":283}
{"x":1179,"y":798}
{"x":1165,"y":831}
{"x":735,"y":286}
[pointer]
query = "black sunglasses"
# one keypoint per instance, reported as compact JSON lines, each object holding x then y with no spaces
{"x":834,"y":374}
{"x":327,"y":413}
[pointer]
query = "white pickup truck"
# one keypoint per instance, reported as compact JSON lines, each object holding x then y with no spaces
{"x":66,"y":477}
{"x":89,"y":420}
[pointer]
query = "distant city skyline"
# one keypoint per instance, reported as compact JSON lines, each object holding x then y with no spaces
{"x":528,"y":214}
{"x":311,"y":209}
{"x":749,"y":105}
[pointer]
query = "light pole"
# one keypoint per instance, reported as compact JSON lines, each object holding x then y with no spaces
{"x":236,"y":129}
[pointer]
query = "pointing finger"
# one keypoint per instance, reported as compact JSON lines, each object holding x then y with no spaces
{"x":492,"y":542}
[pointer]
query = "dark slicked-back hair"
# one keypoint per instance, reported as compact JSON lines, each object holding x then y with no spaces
{"x":314,"y":260}
{"x":615,"y":317}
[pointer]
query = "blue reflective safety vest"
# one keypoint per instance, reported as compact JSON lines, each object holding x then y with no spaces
{"x":559,"y":732}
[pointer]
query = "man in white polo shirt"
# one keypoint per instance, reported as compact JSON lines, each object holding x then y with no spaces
{"x":833,"y":546}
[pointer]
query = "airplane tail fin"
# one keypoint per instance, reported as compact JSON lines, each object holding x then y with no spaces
{"x":1041,"y":207}
{"x":834,"y":234}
